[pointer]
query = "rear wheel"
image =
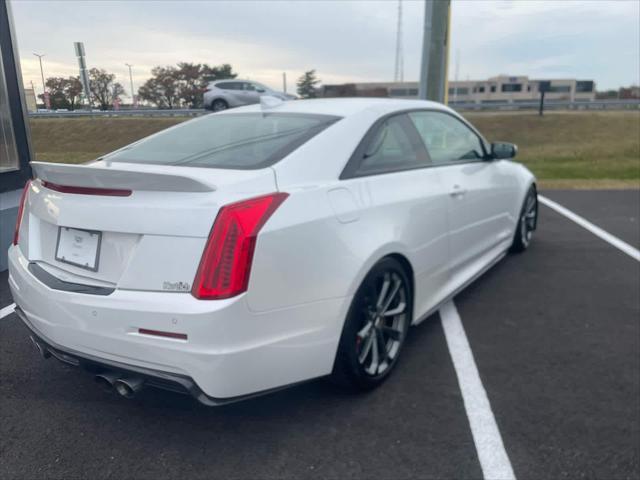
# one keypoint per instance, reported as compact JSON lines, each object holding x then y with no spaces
{"x":218,"y":105}
{"x":527,"y":222}
{"x":375,"y":328}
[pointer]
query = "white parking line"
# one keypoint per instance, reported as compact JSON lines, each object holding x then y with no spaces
{"x":604,"y":235}
{"x":494,"y":460}
{"x":7,"y":310}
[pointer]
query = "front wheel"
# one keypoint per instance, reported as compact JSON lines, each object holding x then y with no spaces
{"x":527,"y":222}
{"x":375,"y":328}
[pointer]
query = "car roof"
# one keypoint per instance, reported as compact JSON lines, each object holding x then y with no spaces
{"x":343,"y":107}
{"x":224,"y":80}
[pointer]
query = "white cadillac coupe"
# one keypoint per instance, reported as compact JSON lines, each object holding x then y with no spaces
{"x":252,"y":249}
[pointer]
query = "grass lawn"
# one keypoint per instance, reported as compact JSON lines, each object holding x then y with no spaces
{"x":572,"y":148}
{"x":77,"y":140}
{"x":563,"y":149}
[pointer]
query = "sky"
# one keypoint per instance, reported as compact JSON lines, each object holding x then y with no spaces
{"x":344,"y":40}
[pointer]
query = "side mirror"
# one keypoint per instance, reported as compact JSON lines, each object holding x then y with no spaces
{"x":501,"y":150}
{"x":260,"y":90}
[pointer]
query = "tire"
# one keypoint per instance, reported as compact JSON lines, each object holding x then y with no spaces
{"x":218,"y":105}
{"x":527,"y":222}
{"x":360,"y":363}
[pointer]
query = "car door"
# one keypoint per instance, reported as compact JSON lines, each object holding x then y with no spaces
{"x":479,"y":191}
{"x":408,"y":204}
{"x":250,"y":93}
{"x":233,"y":93}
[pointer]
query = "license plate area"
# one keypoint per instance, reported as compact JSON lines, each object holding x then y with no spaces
{"x":79,"y":247}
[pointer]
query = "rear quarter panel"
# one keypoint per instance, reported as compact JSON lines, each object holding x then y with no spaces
{"x":304,"y":253}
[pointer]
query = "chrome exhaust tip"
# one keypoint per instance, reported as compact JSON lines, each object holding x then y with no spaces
{"x":106,"y":380}
{"x":44,"y":353}
{"x":128,"y":387}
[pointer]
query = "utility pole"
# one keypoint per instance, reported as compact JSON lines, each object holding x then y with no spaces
{"x":398,"y":75}
{"x":435,"y":51}
{"x":134,"y":101}
{"x":455,"y":87}
{"x":45,"y":97}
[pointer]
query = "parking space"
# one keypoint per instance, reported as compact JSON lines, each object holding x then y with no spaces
{"x":556,"y":337}
{"x":616,"y":211}
{"x":555,"y":334}
{"x":55,"y":421}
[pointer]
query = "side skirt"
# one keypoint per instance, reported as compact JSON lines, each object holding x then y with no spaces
{"x":449,"y":297}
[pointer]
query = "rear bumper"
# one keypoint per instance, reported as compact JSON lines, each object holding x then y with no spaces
{"x":153,"y":378}
{"x":230,"y":353}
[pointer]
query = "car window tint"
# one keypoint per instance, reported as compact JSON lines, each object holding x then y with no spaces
{"x":232,"y":140}
{"x":392,"y":148}
{"x":447,"y":139}
{"x":249,"y":86}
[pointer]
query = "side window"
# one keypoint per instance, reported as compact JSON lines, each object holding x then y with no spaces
{"x":230,"y":86}
{"x":447,"y":138}
{"x":249,"y":86}
{"x":394,"y":146}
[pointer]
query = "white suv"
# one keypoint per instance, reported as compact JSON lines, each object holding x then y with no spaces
{"x":223,"y":94}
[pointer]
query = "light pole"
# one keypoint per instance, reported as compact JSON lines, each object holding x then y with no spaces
{"x":41,"y":71}
{"x":133,"y":95}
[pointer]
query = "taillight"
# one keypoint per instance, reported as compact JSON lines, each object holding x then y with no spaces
{"x":23,"y":199}
{"x":226,"y":261}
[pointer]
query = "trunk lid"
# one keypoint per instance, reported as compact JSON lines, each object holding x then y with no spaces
{"x":151,"y":239}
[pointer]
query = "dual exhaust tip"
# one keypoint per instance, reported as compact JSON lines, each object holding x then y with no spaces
{"x":126,"y":387}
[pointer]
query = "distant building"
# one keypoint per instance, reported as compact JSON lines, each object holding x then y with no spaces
{"x":623,"y":93}
{"x":496,"y":90}
{"x":30,"y":98}
{"x":632,"y":92}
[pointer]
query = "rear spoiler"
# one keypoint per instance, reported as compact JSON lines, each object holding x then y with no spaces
{"x":124,"y":176}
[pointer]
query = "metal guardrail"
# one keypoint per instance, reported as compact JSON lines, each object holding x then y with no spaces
{"x":632,"y":104}
{"x":176,"y":112}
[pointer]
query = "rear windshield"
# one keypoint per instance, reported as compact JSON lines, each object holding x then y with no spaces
{"x":234,"y":140}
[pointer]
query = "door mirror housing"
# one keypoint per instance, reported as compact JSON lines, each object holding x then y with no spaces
{"x":501,"y":150}
{"x":260,"y":90}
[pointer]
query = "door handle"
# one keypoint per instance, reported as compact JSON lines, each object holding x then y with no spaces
{"x":457,"y":191}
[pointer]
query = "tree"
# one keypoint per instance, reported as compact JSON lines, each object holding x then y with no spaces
{"x":162,"y":89}
{"x":104,"y":88}
{"x":193,"y":80}
{"x":57,"y":100}
{"x":221,"y":72}
{"x":184,"y":84}
{"x":307,"y":84}
{"x":63,"y":92}
{"x":189,"y":76}
{"x":72,"y":91}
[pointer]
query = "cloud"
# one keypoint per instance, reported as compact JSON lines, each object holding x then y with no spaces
{"x":342,"y":40}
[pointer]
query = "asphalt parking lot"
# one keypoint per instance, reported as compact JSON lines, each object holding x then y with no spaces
{"x":555,"y":334}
